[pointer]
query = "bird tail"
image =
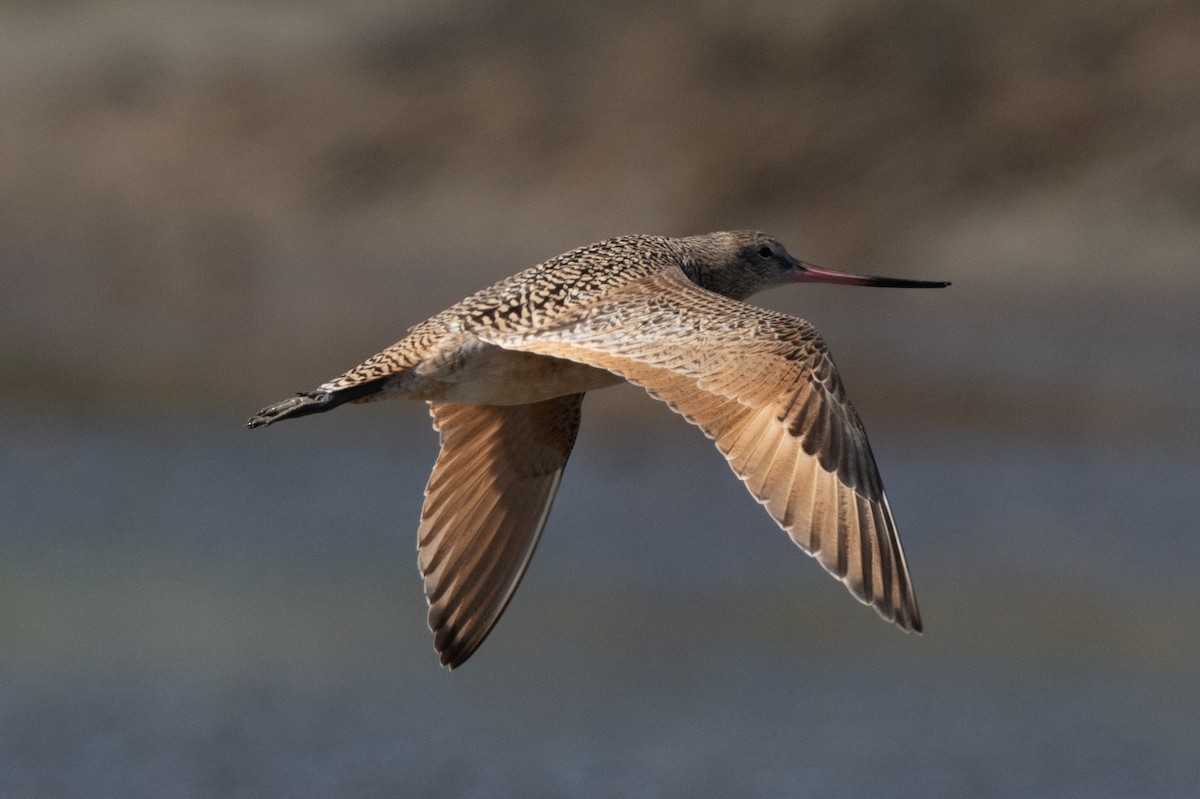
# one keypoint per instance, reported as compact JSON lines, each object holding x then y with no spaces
{"x":317,"y":401}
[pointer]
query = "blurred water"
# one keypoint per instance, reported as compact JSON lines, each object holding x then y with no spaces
{"x":192,"y":610}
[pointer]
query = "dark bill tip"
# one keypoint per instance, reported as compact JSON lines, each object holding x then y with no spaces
{"x":815,"y":274}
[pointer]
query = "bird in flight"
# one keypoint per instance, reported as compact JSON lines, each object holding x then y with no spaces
{"x":504,"y":372}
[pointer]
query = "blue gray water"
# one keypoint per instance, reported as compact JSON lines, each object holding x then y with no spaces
{"x":188,"y":609}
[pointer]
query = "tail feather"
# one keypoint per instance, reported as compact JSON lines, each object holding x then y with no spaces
{"x":308,"y":402}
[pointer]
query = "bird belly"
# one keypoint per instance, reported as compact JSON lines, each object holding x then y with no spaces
{"x":484,"y":374}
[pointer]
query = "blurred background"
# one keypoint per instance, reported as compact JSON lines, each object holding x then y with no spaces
{"x":206,"y":206}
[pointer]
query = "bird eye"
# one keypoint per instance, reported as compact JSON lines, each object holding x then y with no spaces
{"x":766,"y":252}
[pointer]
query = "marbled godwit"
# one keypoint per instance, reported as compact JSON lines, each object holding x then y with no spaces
{"x":505,"y":370}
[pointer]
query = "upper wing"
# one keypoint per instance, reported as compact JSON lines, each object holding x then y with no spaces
{"x":485,"y":507}
{"x":762,"y":385}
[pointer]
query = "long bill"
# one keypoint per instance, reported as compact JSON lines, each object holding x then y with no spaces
{"x":815,"y":274}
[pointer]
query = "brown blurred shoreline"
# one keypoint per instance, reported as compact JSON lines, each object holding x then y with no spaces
{"x":210,"y":205}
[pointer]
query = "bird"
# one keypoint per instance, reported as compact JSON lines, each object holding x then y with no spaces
{"x":505,"y":370}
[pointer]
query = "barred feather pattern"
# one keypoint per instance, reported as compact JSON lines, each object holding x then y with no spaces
{"x":486,"y":505}
{"x":762,"y":385}
{"x":505,"y":371}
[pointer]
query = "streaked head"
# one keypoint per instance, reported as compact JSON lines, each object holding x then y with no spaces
{"x":743,"y":262}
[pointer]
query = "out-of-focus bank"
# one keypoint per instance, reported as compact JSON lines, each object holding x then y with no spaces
{"x":205,"y":203}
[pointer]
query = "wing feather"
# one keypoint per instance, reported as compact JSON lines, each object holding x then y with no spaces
{"x":762,"y":385}
{"x":486,"y":504}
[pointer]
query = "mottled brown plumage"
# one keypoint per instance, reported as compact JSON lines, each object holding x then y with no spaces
{"x":505,"y":370}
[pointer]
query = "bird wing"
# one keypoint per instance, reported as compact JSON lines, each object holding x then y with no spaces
{"x":485,"y":506}
{"x":761,"y":384}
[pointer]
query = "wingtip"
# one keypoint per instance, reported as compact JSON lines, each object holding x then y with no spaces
{"x":453,"y":656}
{"x":905,"y":616}
{"x":909,"y":620}
{"x":452,"y":650}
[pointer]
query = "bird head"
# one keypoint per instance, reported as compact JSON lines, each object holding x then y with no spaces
{"x":740,"y":263}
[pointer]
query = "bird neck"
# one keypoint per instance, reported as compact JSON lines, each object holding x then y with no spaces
{"x":721,"y":280}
